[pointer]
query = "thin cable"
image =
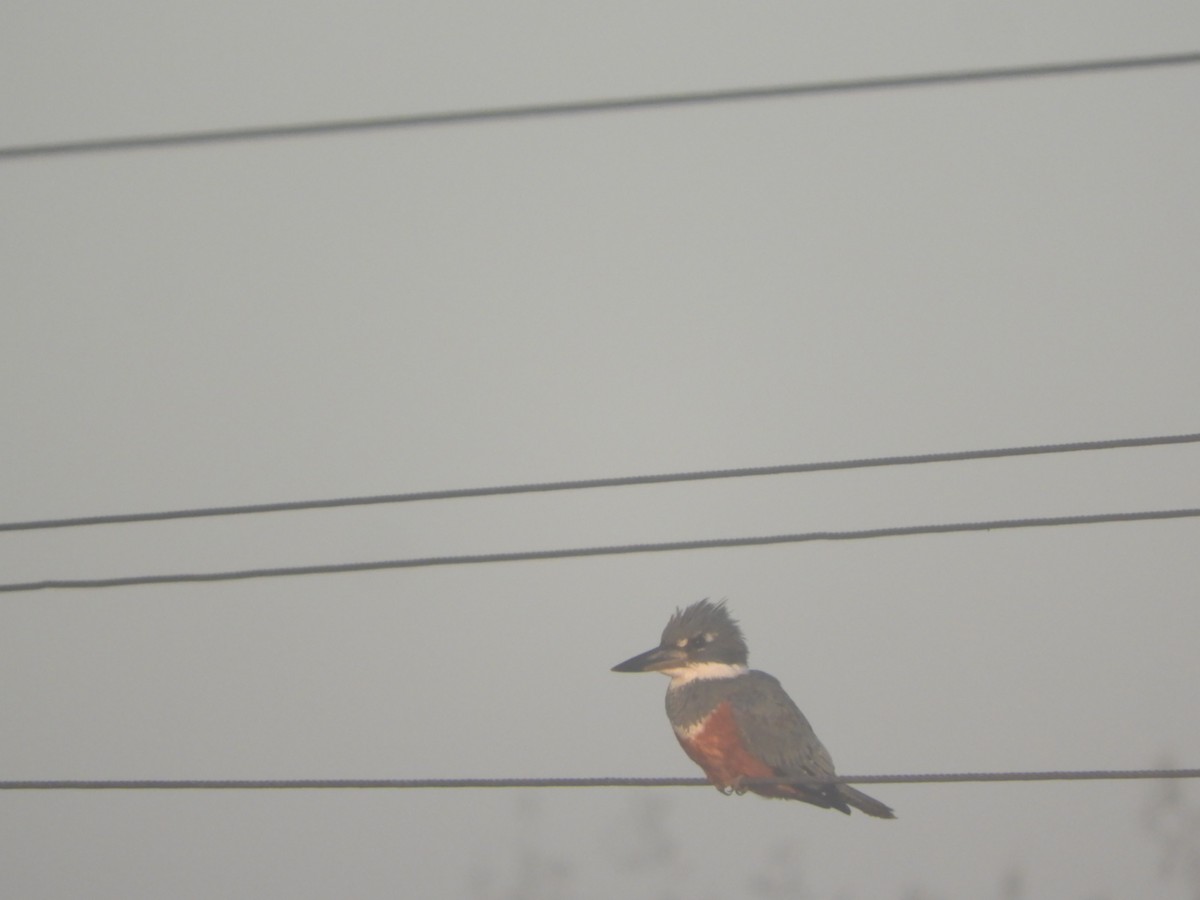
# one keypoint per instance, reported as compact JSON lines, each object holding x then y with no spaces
{"x":446,"y":783}
{"x":545,"y":110}
{"x":528,"y":555}
{"x":620,"y":481}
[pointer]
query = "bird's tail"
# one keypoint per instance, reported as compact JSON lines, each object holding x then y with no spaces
{"x":861,"y":801}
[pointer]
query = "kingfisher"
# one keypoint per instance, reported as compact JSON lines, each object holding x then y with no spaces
{"x":737,"y":723}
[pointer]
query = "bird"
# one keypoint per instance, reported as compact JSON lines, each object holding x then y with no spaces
{"x":736,"y":723}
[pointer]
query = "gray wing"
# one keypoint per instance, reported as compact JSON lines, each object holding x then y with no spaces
{"x":776,"y":732}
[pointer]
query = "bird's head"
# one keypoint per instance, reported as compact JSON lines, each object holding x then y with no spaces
{"x":702,"y":641}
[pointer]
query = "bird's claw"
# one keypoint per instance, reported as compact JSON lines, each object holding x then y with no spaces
{"x":734,"y":787}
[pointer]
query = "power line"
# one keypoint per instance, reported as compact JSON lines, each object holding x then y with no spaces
{"x":581,"y":107}
{"x":449,"y":783}
{"x":529,"y":555}
{"x":620,"y":481}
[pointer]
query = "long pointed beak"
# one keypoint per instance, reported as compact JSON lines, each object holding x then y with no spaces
{"x":652,"y":660}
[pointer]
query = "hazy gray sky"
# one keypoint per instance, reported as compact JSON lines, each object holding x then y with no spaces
{"x":673,"y":289}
